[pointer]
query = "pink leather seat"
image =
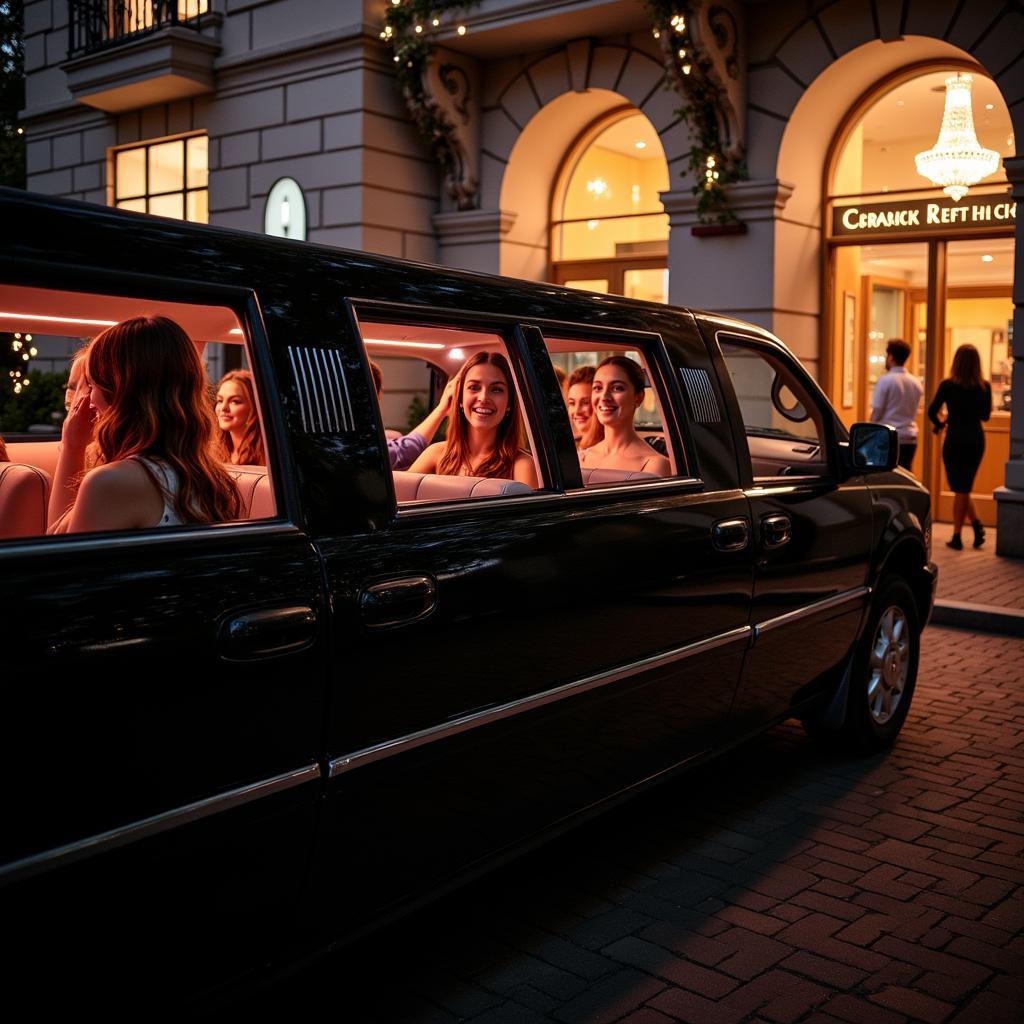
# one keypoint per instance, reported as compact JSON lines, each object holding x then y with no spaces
{"x":42,"y":454}
{"x":435,"y":487}
{"x":598,"y":475}
{"x":253,"y":483}
{"x":24,"y":492}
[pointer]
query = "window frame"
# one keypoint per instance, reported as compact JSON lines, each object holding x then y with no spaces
{"x":537,"y":384}
{"x":184,"y":191}
{"x":830,"y":436}
{"x":505,"y":329}
{"x":242,"y":301}
{"x":663,"y":380}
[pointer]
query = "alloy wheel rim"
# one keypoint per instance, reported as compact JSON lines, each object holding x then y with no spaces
{"x":889,"y":664}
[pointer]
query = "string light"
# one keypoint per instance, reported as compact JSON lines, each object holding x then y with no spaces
{"x":419,"y":29}
{"x":686,"y":69}
{"x":682,"y":54}
{"x":461,"y":30}
{"x":436,"y":22}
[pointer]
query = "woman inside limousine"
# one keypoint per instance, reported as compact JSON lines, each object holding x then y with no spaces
{"x":239,"y":438}
{"x":485,"y":434}
{"x":578,"y":402}
{"x":616,"y":393}
{"x":143,"y":397}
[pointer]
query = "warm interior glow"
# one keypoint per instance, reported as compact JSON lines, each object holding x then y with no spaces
{"x":610,"y":197}
{"x":878,"y":154}
{"x":957,"y":160}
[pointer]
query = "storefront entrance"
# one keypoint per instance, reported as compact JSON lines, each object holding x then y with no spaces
{"x":910,"y":262}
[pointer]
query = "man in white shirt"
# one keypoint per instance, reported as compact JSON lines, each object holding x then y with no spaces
{"x":897,"y":398}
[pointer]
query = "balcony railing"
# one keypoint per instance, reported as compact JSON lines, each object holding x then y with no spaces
{"x":97,"y":24}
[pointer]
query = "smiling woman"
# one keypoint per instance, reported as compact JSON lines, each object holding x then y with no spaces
{"x":485,"y":435}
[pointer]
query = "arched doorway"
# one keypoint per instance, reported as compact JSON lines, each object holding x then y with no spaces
{"x":609,"y":231}
{"x":907,"y":261}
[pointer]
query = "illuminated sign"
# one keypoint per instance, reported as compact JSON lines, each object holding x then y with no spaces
{"x":923,"y":216}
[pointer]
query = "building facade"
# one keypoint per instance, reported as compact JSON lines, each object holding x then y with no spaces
{"x":571,"y":160}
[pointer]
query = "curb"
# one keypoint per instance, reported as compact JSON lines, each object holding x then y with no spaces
{"x":981,"y":618}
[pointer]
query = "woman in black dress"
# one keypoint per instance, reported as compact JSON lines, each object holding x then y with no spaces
{"x":968,"y":400}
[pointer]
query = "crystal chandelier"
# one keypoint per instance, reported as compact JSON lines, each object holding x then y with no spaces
{"x":957,"y":160}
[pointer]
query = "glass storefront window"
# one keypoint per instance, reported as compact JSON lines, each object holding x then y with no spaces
{"x":878,"y":154}
{"x":979,"y":310}
{"x":167,"y":178}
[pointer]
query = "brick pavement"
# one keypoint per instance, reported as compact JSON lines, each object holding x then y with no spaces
{"x":778,"y":884}
{"x":981,"y":576}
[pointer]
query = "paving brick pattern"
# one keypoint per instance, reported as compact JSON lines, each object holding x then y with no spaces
{"x":779,"y":884}
{"x":978,"y":576}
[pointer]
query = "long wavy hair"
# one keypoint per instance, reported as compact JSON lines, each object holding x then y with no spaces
{"x":634,"y":374}
{"x":966,"y":369}
{"x":160,"y":408}
{"x":509,"y":442}
{"x":3,"y":451}
{"x":250,"y":451}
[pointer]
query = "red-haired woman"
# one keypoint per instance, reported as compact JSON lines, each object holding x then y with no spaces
{"x":239,"y":439}
{"x":485,"y":431}
{"x":616,"y":393}
{"x":143,"y":395}
{"x":967,"y":397}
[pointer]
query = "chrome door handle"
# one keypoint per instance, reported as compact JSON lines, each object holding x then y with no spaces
{"x":776,"y":530}
{"x":398,"y":602}
{"x":731,"y":534}
{"x":267,"y":632}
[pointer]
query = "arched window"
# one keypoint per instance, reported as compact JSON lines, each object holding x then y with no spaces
{"x":908,"y":261}
{"x":609,"y":231}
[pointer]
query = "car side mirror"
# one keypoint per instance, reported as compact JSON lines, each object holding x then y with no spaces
{"x":874,"y":447}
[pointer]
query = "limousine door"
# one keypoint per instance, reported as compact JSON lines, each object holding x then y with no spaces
{"x":163,"y":706}
{"x":502,"y":664}
{"x":812,"y":532}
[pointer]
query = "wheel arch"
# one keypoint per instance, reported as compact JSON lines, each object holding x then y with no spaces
{"x":907,"y":559}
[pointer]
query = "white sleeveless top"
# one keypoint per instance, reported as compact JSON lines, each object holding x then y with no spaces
{"x":168,"y":481}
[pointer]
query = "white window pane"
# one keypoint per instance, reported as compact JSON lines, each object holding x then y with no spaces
{"x":130,"y":173}
{"x":167,"y":166}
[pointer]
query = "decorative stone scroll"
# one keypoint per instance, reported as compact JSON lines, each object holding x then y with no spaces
{"x":450,"y":100}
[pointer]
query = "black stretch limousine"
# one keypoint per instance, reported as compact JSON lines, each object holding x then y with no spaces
{"x":230,"y":743}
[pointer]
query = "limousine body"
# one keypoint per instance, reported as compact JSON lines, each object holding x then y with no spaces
{"x":229,"y":743}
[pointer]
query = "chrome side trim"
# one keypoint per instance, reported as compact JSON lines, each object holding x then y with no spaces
{"x":847,"y":596}
{"x":125,"y":834}
{"x":701,"y":394}
{"x":324,"y":403}
{"x":358,"y":758}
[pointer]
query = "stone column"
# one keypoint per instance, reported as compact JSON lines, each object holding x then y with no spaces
{"x":471,"y":239}
{"x":766,"y":274}
{"x":1010,"y":498}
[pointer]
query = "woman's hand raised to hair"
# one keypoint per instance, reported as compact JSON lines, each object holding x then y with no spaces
{"x":77,"y":430}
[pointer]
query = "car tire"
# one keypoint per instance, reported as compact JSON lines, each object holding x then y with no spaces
{"x":884,"y":670}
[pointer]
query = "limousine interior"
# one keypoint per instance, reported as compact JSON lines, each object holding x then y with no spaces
{"x":266,"y":735}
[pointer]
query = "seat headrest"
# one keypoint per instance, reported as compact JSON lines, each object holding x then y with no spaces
{"x":24,"y":492}
{"x":42,"y":454}
{"x":436,"y":487}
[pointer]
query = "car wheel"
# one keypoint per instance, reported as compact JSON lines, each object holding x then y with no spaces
{"x":885,"y":668}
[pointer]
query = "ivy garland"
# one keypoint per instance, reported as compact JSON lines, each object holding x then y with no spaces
{"x":411,"y":27}
{"x":686,"y":73}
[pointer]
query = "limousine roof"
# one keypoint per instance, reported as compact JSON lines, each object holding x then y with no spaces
{"x":55,"y":231}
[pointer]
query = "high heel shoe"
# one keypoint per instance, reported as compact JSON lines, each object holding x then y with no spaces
{"x":956,"y":543}
{"x":979,"y":532}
